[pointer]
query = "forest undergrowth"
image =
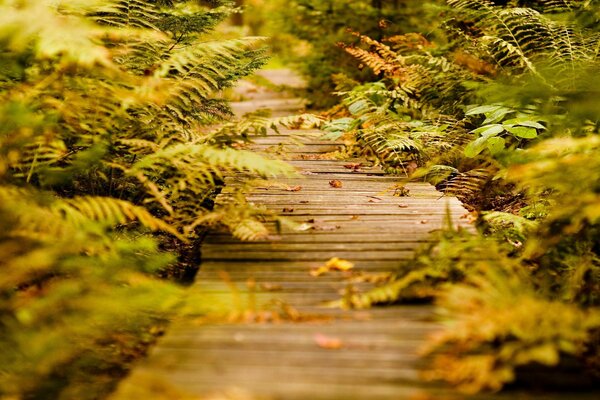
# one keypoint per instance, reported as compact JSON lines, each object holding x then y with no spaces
{"x":495,"y":102}
{"x":114,"y":140}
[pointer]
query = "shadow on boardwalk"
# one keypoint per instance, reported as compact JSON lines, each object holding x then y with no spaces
{"x":299,"y":349}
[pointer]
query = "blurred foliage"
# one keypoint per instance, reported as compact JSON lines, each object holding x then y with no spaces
{"x":307,"y":32}
{"x":504,"y":114}
{"x":108,"y":158}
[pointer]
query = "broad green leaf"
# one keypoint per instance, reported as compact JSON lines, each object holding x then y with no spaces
{"x":522,"y":132}
{"x":489,"y":130}
{"x":482,"y":110}
{"x":496,"y":144}
{"x":497,"y":115}
{"x":524,"y":122}
{"x":475,"y":147}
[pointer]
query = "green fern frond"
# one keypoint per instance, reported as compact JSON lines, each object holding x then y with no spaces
{"x":129,"y":13}
{"x":524,"y":37}
{"x":249,"y":230}
{"x":108,"y":211}
{"x":302,"y":121}
{"x":467,"y":184}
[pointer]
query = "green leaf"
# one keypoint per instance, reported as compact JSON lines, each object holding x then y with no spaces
{"x":522,"y":132}
{"x":482,"y":110}
{"x":496,"y":144}
{"x":524,"y":122}
{"x":476,"y":147}
{"x":497,"y":115}
{"x":489,"y":130}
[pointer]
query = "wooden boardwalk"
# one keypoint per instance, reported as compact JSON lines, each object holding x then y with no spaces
{"x":299,"y":349}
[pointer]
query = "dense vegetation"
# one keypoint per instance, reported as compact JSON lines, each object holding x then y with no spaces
{"x":313,"y":29}
{"x":114,"y":141}
{"x":108,"y":164}
{"x":497,"y":103}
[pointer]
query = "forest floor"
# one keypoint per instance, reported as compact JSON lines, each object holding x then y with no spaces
{"x":264,"y":329}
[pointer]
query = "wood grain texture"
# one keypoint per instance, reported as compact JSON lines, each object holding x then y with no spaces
{"x":276,"y":339}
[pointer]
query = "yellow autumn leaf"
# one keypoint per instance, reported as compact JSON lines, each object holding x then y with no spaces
{"x":334,"y":264}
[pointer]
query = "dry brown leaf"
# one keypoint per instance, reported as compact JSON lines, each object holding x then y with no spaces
{"x":353,"y":166}
{"x":293,"y":188}
{"x":335,"y":184}
{"x":288,"y":210}
{"x":326,"y":227}
{"x":328,"y":342}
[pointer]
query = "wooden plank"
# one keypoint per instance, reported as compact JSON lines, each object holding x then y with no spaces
{"x":303,"y":255}
{"x":326,"y":237}
{"x":283,"y":246}
{"x":361,"y":222}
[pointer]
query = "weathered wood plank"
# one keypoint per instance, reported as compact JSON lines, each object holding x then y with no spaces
{"x":362,"y":222}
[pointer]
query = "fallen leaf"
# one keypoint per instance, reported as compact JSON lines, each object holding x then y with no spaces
{"x":326,"y":227}
{"x":304,"y":227}
{"x":304,"y":202}
{"x":335,"y":184}
{"x":288,"y":210}
{"x":293,"y":188}
{"x":339,"y":264}
{"x":353,"y":166}
{"x":334,"y":264}
{"x":401,"y":191}
{"x":270,"y":287}
{"x":328,"y":342}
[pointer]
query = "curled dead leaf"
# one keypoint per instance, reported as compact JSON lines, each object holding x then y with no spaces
{"x":293,"y":188}
{"x":288,"y":210}
{"x":335,"y":184}
{"x":353,"y":166}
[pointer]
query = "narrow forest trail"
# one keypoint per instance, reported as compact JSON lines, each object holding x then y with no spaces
{"x":312,"y":352}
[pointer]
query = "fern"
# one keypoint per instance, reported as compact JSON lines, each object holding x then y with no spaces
{"x":107,"y":155}
{"x":79,"y":211}
{"x":525,"y":38}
